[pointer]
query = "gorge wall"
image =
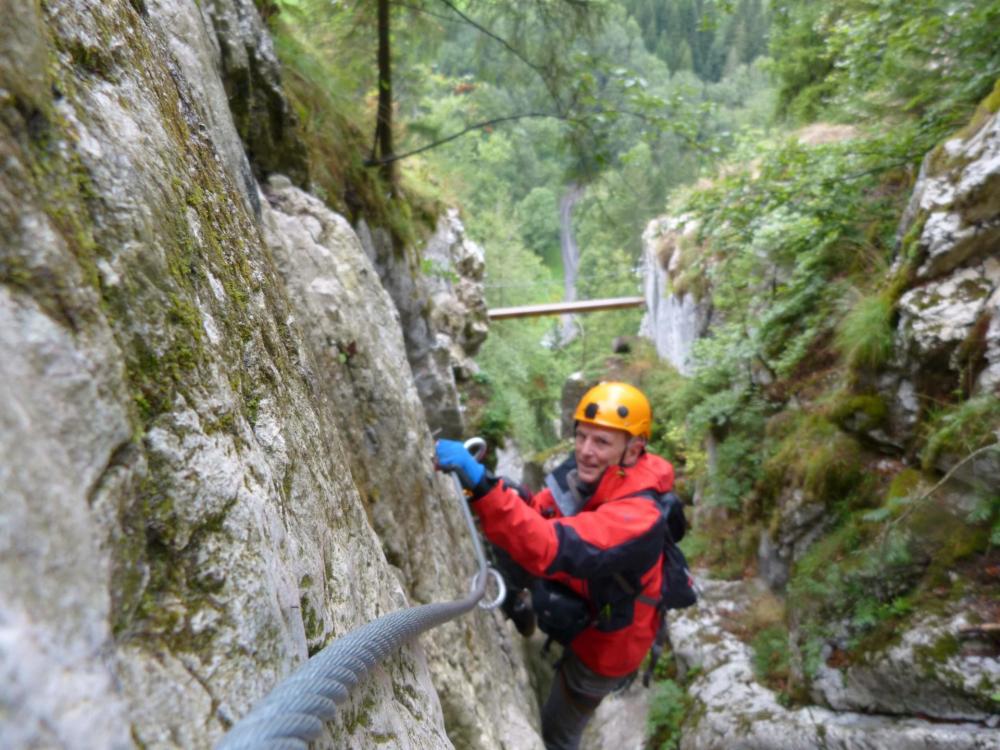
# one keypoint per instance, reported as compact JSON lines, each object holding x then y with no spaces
{"x":925,"y":674}
{"x":215,"y":457}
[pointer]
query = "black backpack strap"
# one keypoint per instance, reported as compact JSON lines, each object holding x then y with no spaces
{"x":662,"y":639}
{"x":672,"y":508}
{"x":630,"y":590}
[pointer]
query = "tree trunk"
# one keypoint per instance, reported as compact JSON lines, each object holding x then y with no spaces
{"x":383,"y":126}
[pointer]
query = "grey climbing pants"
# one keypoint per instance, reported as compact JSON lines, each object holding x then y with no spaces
{"x":576,"y":692}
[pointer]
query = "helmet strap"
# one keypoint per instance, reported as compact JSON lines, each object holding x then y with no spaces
{"x":628,"y":443}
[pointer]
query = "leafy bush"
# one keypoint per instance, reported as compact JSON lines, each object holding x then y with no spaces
{"x":963,"y":428}
{"x":885,"y":59}
{"x":770,"y":656}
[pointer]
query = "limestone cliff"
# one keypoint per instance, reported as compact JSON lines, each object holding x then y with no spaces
{"x":675,"y":316}
{"x":891,"y":615}
{"x":214,"y":455}
{"x":439,"y":295}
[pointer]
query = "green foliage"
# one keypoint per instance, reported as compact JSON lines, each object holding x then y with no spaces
{"x":537,"y":216}
{"x":321,"y":54}
{"x":668,"y":707}
{"x":959,"y":430}
{"x":885,"y":59}
{"x":802,"y":61}
{"x":845,"y":581}
{"x":632,"y":146}
{"x":707,"y":37}
{"x":781,"y":235}
{"x":525,"y":378}
{"x":737,"y":465}
{"x":879,"y":568}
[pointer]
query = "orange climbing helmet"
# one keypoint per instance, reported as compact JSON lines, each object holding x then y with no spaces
{"x":617,"y":405}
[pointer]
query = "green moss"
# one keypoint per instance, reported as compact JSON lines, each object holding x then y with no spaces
{"x":360,"y":715}
{"x":160,"y":605}
{"x":690,"y":276}
{"x":14,"y":271}
{"x":251,"y":404}
{"x":195,"y":196}
{"x":63,"y":189}
{"x":224,"y":423}
{"x":992,"y":102}
{"x":313,"y":625}
{"x":287,"y":482}
{"x":945,"y":538}
{"x":932,"y":657}
{"x":904,"y":484}
{"x":862,"y":412}
{"x":816,"y":456}
{"x":182,"y":312}
{"x":984,"y":112}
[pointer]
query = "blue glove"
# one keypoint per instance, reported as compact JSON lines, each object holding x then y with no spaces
{"x":452,"y":456}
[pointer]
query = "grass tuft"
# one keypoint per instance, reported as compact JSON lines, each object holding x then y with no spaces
{"x":864,"y":337}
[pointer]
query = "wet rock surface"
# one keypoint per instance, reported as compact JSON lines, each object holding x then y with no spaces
{"x":214,"y":460}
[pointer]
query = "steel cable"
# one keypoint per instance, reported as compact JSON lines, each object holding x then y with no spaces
{"x":295,"y":711}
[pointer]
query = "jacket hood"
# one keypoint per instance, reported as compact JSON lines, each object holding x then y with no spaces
{"x":649,"y":472}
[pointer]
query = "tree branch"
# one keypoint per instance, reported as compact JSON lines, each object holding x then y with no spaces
{"x":495,"y":37}
{"x":389,"y":158}
{"x":920,"y":500}
{"x":475,"y":126}
{"x":540,"y":71}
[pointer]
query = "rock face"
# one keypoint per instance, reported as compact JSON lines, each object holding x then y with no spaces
{"x":926,"y":673}
{"x":736,"y":711}
{"x":673,"y":322}
{"x":800,"y":524}
{"x":354,"y":334}
{"x":251,"y":74}
{"x":442,"y":309}
{"x":214,"y":456}
{"x":948,"y":334}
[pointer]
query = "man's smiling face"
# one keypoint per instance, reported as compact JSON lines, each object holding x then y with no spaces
{"x":597,"y":448}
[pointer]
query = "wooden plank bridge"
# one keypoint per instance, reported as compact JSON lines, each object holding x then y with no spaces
{"x":562,"y":308}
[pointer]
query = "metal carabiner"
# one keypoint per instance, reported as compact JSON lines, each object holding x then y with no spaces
{"x":477,"y":447}
{"x":501,"y":588}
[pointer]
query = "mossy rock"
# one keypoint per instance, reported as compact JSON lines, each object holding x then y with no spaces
{"x":860,"y":413}
{"x":987,"y":108}
{"x":818,"y":457}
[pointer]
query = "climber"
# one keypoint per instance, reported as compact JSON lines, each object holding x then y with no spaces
{"x":591,"y":543}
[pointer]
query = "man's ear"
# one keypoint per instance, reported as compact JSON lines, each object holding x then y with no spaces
{"x":634,"y":449}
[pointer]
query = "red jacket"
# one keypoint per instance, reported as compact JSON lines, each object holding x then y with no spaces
{"x":615,"y":532}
